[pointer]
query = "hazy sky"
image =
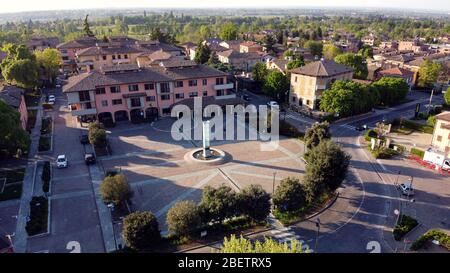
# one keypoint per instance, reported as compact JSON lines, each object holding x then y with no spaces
{"x":30,"y":5}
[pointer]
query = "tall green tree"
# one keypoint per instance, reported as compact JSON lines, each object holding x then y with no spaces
{"x":326,"y":169}
{"x":202,"y":53}
{"x":20,"y":66}
{"x":260,"y":72}
{"x":183,"y":219}
{"x":346,"y":98}
{"x":254,"y":202}
{"x":276,"y":85}
{"x":330,"y":51}
{"x":295,"y":63}
{"x":12,"y":135}
{"x":447,"y":96}
{"x":391,"y":90}
{"x":115,"y":189}
{"x":87,"y":28}
{"x":289,"y":196}
{"x":354,"y":61}
{"x":49,"y":60}
{"x":317,"y":133}
{"x":269,"y":42}
{"x":141,"y":230}
{"x":315,"y":47}
{"x":429,"y":73}
{"x":228,"y":31}
{"x":205,"y":32}
{"x":218,"y":204}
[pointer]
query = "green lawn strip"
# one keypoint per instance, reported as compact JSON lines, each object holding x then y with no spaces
{"x":437,"y":235}
{"x":44,"y":144}
{"x":404,"y":225}
{"x":38,"y":216}
{"x":292,"y":217}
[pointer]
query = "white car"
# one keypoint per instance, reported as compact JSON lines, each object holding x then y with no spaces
{"x":51,"y":99}
{"x":272,"y":103}
{"x":407,"y":189}
{"x":61,"y":162}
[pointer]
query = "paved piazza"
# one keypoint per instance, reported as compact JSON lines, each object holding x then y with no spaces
{"x":155,"y":167}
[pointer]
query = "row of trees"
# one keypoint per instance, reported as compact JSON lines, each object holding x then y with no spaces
{"x":326,"y":168}
{"x":186,"y":218}
{"x":347,"y":98}
{"x":23,"y":68}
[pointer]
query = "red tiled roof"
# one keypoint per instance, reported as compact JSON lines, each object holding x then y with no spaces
{"x":396,"y":71}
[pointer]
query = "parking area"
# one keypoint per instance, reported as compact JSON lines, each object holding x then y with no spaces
{"x":430,"y":204}
{"x":155,"y":166}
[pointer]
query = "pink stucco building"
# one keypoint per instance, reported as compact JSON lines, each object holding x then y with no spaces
{"x":122,"y":92}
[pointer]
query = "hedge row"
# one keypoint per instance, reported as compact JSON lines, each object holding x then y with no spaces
{"x":418,"y":152}
{"x":38,"y":216}
{"x":46,"y":176}
{"x":441,"y":237}
{"x":404,"y":225}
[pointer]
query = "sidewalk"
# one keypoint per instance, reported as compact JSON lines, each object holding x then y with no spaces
{"x":21,"y":236}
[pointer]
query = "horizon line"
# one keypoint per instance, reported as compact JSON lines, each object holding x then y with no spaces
{"x":417,"y":10}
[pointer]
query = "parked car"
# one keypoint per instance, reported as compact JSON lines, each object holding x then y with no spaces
{"x":89,"y":158}
{"x":246,"y":97}
{"x":84,"y":139}
{"x":62,"y":162}
{"x":361,"y":127}
{"x":406,"y":189}
{"x":51,"y":99}
{"x":272,"y":103}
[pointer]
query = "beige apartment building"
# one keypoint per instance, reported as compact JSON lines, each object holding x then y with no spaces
{"x":309,"y":81}
{"x":441,"y":134}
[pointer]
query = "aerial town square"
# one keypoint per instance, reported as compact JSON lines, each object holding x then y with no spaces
{"x":135,"y":127}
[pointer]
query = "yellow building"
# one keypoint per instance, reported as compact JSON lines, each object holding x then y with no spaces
{"x":309,"y":81}
{"x":441,"y":134}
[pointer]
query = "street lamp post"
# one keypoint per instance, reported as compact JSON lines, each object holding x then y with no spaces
{"x":318,"y":233}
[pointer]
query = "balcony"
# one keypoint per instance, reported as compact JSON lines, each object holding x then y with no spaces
{"x":121,"y":61}
{"x":223,"y":86}
{"x":82,"y":112}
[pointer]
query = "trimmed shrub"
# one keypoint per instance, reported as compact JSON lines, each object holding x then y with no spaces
{"x":46,"y":176}
{"x":384,"y":153}
{"x":183,"y":219}
{"x":44,"y":144}
{"x":115,"y":189}
{"x":371,"y":133}
{"x":254,"y":202}
{"x":141,"y":230}
{"x":441,"y":237}
{"x":405,"y":225}
{"x":38,"y":216}
{"x":290,"y":195}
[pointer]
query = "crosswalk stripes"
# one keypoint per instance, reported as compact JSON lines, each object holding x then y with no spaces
{"x":348,"y":126}
{"x":286,"y":235}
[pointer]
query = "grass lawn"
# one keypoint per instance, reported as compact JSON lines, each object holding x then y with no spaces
{"x":32,"y":99}
{"x":13,"y":186}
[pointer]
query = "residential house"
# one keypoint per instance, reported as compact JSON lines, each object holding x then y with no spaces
{"x":122,"y":92}
{"x":278,"y":64}
{"x":240,"y":61}
{"x":389,"y":44}
{"x":14,"y":97}
{"x":398,"y":72}
{"x":105,"y":55}
{"x":42,"y":43}
{"x":441,"y":133}
{"x":309,"y":81}
{"x":249,"y":46}
{"x":233,"y":44}
{"x":69,"y":50}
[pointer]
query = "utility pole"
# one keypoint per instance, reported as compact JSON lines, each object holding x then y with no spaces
{"x":318,"y":233}
{"x":273,"y":183}
{"x":431,"y":99}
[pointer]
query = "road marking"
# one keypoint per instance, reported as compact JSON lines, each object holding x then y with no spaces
{"x":74,"y":247}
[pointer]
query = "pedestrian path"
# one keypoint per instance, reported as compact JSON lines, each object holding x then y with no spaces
{"x":283,"y":234}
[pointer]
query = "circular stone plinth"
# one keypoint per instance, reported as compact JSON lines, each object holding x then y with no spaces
{"x":196,"y":156}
